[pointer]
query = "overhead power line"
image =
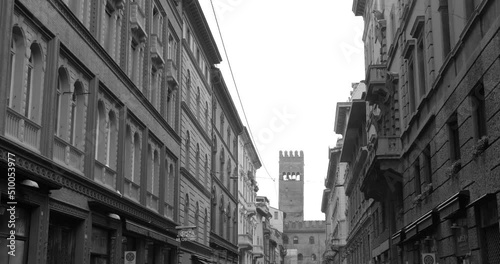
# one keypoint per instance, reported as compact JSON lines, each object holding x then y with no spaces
{"x":239,"y":98}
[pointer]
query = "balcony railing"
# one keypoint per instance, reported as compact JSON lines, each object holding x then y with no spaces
{"x":137,"y":20}
{"x":22,"y":129}
{"x":105,"y":175}
{"x":172,"y":72}
{"x":157,"y":50}
{"x":68,"y":154}
{"x":131,"y":190}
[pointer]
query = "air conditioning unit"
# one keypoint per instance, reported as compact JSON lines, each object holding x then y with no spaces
{"x":429,"y":258}
{"x":130,"y":257}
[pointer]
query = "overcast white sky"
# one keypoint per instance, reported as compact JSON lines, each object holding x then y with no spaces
{"x":293,"y":61}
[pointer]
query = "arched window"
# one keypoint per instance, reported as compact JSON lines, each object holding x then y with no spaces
{"x":222,"y":218}
{"x":34,"y":84}
{"x":311,"y":240}
{"x":285,"y":239}
{"x":221,"y":168}
{"x":228,"y":172}
{"x":313,"y":257}
{"x":205,"y":227}
{"x":17,"y":53}
{"x":154,"y":178}
{"x":62,"y":94}
{"x":188,"y":86}
{"x":169,"y":192}
{"x":198,"y":174}
{"x":136,"y":160}
{"x":300,"y":256}
{"x":78,"y":109}
{"x":197,"y":221}
{"x":188,"y":146}
{"x":205,"y":170}
{"x":112,"y":140}
{"x":198,"y":103}
{"x":228,"y":217}
{"x":221,"y":128}
{"x":186,"y":210}
{"x":295,"y":240}
{"x":129,"y":188}
{"x":214,"y":209}
{"x":206,"y":116}
{"x":100,"y":133}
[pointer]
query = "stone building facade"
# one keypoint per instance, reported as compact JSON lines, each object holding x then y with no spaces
{"x":334,"y":202}
{"x":90,"y":130}
{"x":226,"y":127}
{"x":426,"y":156}
{"x":306,"y":238}
{"x":248,"y":163}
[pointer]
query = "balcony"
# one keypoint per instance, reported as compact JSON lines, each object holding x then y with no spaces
{"x":138,"y":20}
{"x":105,"y":175}
{"x":68,"y":154}
{"x":258,"y":251}
{"x":375,"y":82}
{"x":251,"y":209}
{"x":22,"y":129}
{"x":382,"y":174}
{"x":157,"y":50}
{"x":172,"y":73}
{"x":245,"y":242}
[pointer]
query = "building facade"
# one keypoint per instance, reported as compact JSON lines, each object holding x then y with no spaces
{"x":90,"y":130}
{"x":198,"y":55}
{"x":248,"y":163}
{"x":262,"y":231}
{"x":306,"y":237}
{"x":425,"y":158}
{"x":334,"y":202}
{"x":226,"y":128}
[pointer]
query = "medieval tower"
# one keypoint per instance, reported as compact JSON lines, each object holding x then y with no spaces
{"x":291,"y":195}
{"x":304,"y":240}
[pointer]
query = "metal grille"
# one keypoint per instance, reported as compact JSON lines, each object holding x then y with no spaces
{"x":492,"y":239}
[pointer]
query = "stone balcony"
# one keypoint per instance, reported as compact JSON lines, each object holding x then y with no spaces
{"x":157,"y":50}
{"x":375,"y":83}
{"x":245,"y":241}
{"x":258,"y":251}
{"x":172,"y":73}
{"x":137,"y":20}
{"x":251,"y":209}
{"x":382,"y":174}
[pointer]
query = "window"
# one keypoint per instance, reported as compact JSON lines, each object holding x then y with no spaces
{"x":412,"y":90}
{"x":445,"y":26}
{"x":153,"y":179}
{"x":295,"y":240}
{"x":17,"y":53}
{"x":300,"y":256}
{"x":198,"y":174}
{"x":213,"y":212}
{"x":100,"y":133}
{"x":285,"y":239}
{"x":477,"y":99}
{"x":188,"y":86}
{"x":197,"y":221}
{"x":186,"y":210}
{"x":421,"y":66}
{"x":489,"y":233}
{"x":205,"y":227}
{"x":311,"y":240}
{"x":205,"y":170}
{"x":169,"y":191}
{"x":198,"y":104}
{"x":188,"y":146}
{"x":416,"y":177}
{"x":171,"y":94}
{"x":454,"y":138}
{"x":206,"y":116}
{"x":62,"y":110}
{"x":427,"y":162}
{"x":313,"y":257}
{"x":78,"y":109}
